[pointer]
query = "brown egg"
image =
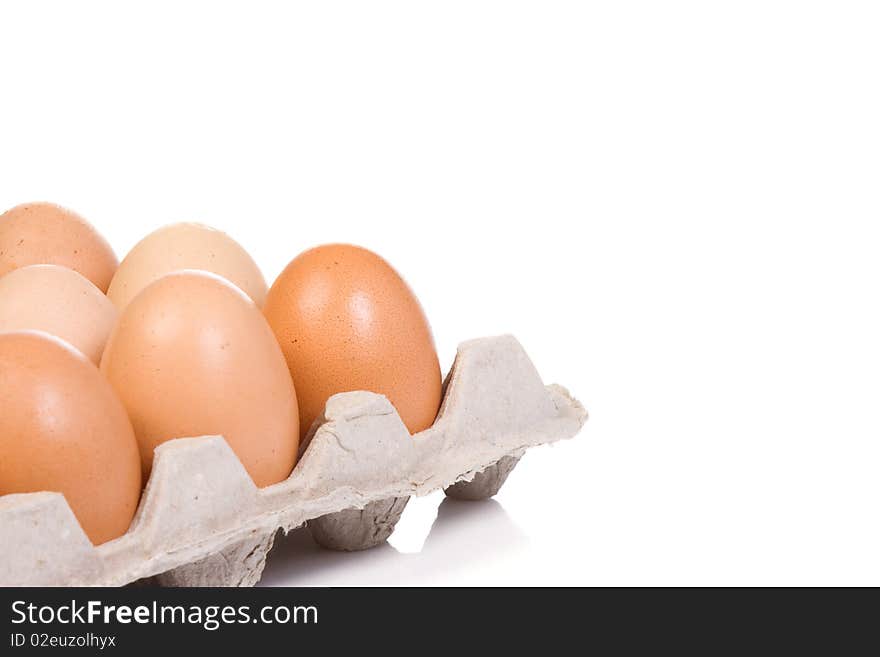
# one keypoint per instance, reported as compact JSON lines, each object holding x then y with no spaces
{"x":191,"y":355}
{"x":345,"y":321}
{"x":43,"y":233}
{"x":186,"y":246}
{"x":63,"y":429}
{"x":58,"y":301}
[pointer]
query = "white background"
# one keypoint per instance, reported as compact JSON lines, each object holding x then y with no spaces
{"x":674,"y":207}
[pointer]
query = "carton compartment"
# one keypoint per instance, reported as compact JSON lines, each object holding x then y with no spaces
{"x":358,"y":529}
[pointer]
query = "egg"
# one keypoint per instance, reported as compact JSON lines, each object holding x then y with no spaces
{"x":186,"y":246}
{"x":43,"y":233}
{"x":59,"y":301}
{"x":63,"y":429}
{"x":346,"y":320}
{"x":191,"y":355}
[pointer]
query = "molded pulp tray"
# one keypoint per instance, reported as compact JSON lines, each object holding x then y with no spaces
{"x":202,"y":522}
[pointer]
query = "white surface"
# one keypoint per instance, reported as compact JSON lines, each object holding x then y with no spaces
{"x":674,"y":206}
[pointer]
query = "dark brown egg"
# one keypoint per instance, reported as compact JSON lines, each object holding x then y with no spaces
{"x":346,"y":320}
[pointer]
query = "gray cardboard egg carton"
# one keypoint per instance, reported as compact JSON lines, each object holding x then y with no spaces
{"x":202,"y":521}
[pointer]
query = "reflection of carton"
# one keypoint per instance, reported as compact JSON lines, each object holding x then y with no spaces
{"x":202,"y":521}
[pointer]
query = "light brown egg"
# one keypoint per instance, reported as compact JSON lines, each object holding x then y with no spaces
{"x":63,"y":429}
{"x":191,"y":355}
{"x":43,"y":233}
{"x":346,"y":320}
{"x":186,"y":246}
{"x":59,"y":301}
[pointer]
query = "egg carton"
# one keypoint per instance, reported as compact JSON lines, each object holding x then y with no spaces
{"x":203,"y":522}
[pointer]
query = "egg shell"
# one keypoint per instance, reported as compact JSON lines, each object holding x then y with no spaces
{"x":186,"y":246}
{"x":346,"y":321}
{"x":44,"y":233}
{"x":60,"y":302}
{"x":191,"y":355}
{"x":63,"y":429}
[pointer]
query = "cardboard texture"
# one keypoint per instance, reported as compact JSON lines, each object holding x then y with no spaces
{"x":202,"y":522}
